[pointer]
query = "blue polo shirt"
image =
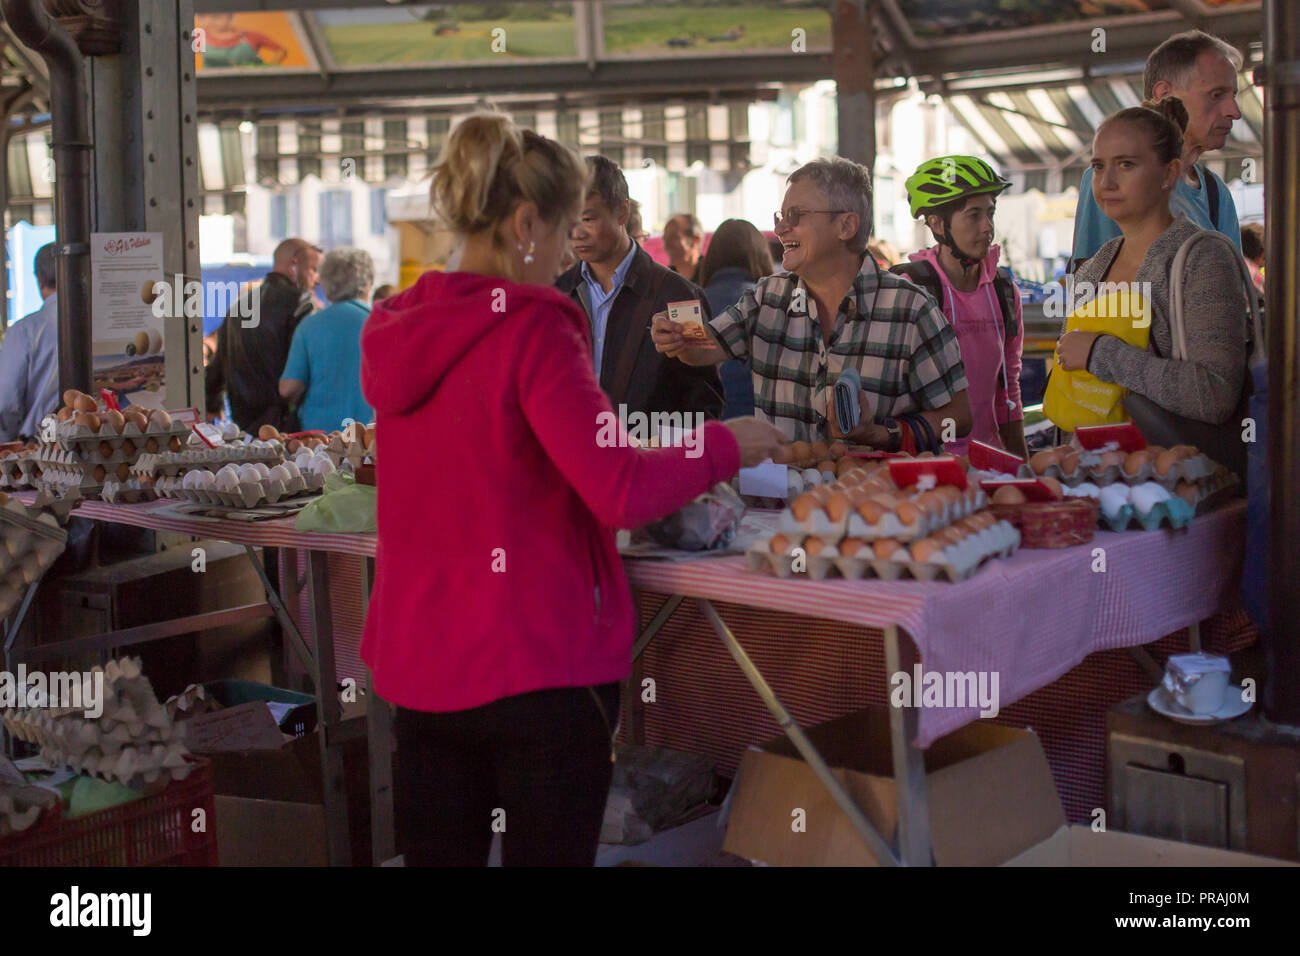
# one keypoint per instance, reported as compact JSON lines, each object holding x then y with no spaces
{"x":601,"y":301}
{"x":326,"y":355}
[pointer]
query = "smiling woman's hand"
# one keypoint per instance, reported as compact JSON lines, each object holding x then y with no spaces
{"x":1073,"y":349}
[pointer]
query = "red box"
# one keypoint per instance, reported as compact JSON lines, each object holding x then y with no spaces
{"x":1127,"y":435}
{"x":154,"y":831}
{"x":946,"y":470}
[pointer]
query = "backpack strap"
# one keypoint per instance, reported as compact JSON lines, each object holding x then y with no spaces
{"x":1005,"y":288}
{"x":923,"y":274}
{"x":1211,"y":183}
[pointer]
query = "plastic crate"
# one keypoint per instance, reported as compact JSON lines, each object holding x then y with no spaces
{"x":153,"y":831}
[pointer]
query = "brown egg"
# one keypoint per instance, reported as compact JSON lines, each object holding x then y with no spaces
{"x":813,"y":545}
{"x":779,"y":544}
{"x":128,"y":447}
{"x":105,"y":450}
{"x":1185,"y":451}
{"x":65,"y":414}
{"x":1165,"y":461}
{"x":88,"y":419}
{"x":925,"y":454}
{"x":136,"y":418}
{"x":819,"y":449}
{"x":1135,"y":462}
{"x":1109,"y":458}
{"x":951,"y":534}
{"x":1053,"y":486}
{"x":175,"y":443}
{"x":885,"y":548}
{"x":114,"y":419}
{"x":84,"y":403}
{"x":141,"y":341}
{"x":908,"y":512}
{"x":1041,"y":461}
{"x":70,"y":397}
{"x":1187,"y":491}
{"x":803,"y":506}
{"x":850,"y":547}
{"x":838,"y":449}
{"x":151,"y":446}
{"x":838,"y":505}
{"x":98,"y":473}
{"x":268,"y":433}
{"x":1069,"y":462}
{"x":870,"y":511}
{"x":949,"y":494}
{"x":1008,"y":495}
{"x":1155,"y":450}
{"x":162,"y":418}
{"x":924,"y":550}
{"x":826,"y":465}
{"x":931,"y":501}
{"x":800,"y":451}
{"x":819,"y":494}
{"x":292,"y":445}
{"x":123,"y":471}
{"x":844,"y":466}
{"x":886,"y":499}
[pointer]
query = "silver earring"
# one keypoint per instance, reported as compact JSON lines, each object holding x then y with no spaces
{"x":528,"y":256}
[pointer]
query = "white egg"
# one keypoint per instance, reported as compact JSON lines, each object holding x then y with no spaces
{"x":323,"y":466}
{"x":249,"y":473}
{"x":1114,"y":498}
{"x":205,"y":480}
{"x":232,"y":470}
{"x":227,"y":480}
{"x":1147,"y":496}
{"x":811,"y":476}
{"x":260,"y":467}
{"x":292,"y":469}
{"x":155,"y":341}
{"x":1087,"y":490}
{"x":280,"y":473}
{"x":191,"y":480}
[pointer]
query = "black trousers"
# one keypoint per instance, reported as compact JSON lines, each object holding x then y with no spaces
{"x":535,"y":767}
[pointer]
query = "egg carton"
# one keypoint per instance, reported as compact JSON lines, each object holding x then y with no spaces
{"x":1090,"y":471}
{"x":354,"y":452}
{"x":130,"y":492}
{"x":63,"y":480}
{"x":72,"y":437}
{"x":889,"y":526}
{"x":955,"y":563}
{"x":133,"y":740}
{"x":22,"y":804}
{"x":30,"y":542}
{"x":17,"y":471}
{"x":1176,"y":513}
{"x":247,"y":494}
{"x":172,"y":464}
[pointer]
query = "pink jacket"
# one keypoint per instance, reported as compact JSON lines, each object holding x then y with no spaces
{"x":976,"y":317}
{"x":497,"y":571}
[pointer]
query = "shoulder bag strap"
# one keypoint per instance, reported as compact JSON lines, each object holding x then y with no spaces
{"x":1177,"y":324}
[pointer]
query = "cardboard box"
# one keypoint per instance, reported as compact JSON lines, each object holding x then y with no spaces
{"x":991,"y":796}
{"x":270,"y":833}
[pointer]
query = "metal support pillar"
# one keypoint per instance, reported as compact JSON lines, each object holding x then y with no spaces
{"x":331,"y":711}
{"x":853,"y":64}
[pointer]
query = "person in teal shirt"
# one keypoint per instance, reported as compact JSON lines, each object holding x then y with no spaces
{"x":323,"y":372}
{"x":1201,"y":70}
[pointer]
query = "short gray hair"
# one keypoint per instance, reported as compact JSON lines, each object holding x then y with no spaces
{"x":1175,"y":60}
{"x":346,"y":274}
{"x":847,"y":185}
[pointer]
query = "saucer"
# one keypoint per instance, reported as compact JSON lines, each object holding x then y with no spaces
{"x":1232,"y":706}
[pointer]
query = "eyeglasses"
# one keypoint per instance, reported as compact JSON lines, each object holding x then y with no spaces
{"x":794,"y":214}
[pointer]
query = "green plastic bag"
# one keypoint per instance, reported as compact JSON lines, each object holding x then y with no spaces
{"x":344,"y":508}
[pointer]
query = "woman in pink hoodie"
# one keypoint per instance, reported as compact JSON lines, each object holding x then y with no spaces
{"x":501,"y":622}
{"x":957,"y":196}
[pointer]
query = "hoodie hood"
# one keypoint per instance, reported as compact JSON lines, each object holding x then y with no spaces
{"x":988,"y":268}
{"x":412,"y":340}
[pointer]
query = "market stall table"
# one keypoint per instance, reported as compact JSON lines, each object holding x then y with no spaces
{"x":1121,"y":590}
{"x":318,"y":659}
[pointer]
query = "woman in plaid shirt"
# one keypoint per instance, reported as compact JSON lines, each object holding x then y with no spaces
{"x":834,"y":309}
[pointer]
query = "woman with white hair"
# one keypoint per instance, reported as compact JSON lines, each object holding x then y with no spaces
{"x":323,"y":373}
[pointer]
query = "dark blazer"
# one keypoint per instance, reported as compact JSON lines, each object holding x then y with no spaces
{"x":632,"y":372}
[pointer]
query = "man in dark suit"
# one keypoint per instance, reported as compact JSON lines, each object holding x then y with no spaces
{"x":621,"y":288}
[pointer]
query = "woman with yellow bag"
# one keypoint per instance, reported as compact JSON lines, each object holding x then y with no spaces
{"x":1176,"y":359}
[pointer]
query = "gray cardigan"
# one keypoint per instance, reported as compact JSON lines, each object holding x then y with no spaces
{"x":1207,"y":386}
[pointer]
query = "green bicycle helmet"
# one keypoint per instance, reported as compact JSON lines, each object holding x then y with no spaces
{"x":945,"y":178}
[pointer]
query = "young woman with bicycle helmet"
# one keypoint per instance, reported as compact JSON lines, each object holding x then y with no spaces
{"x":957,"y":196}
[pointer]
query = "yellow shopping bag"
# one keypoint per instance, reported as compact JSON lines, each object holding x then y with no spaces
{"x":1080,"y":398}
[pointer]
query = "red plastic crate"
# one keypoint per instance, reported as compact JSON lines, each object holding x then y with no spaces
{"x":154,"y":831}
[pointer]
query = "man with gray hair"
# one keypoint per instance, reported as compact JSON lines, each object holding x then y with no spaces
{"x":29,"y":360}
{"x":323,"y":371}
{"x":1201,"y":70}
{"x":835,"y":312}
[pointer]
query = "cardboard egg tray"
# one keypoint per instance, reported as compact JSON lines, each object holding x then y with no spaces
{"x":354,"y":452}
{"x":81,"y":440}
{"x":1189,"y":469}
{"x":172,"y":464}
{"x":22,"y":804}
{"x":1176,"y":513}
{"x":19,"y":472}
{"x":133,"y":740}
{"x":30,"y":541}
{"x":852,"y":525}
{"x":955,"y":563}
{"x":129,"y":492}
{"x":247,"y":494}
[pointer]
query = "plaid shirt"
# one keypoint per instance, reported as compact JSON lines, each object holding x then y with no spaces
{"x":888,"y":329}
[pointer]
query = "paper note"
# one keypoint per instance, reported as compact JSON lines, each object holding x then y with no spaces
{"x":689,"y":316}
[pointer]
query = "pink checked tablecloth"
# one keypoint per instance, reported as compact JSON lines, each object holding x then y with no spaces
{"x":1030,"y":618}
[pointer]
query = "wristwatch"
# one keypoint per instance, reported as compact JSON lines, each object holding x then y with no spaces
{"x":895,"y":434}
